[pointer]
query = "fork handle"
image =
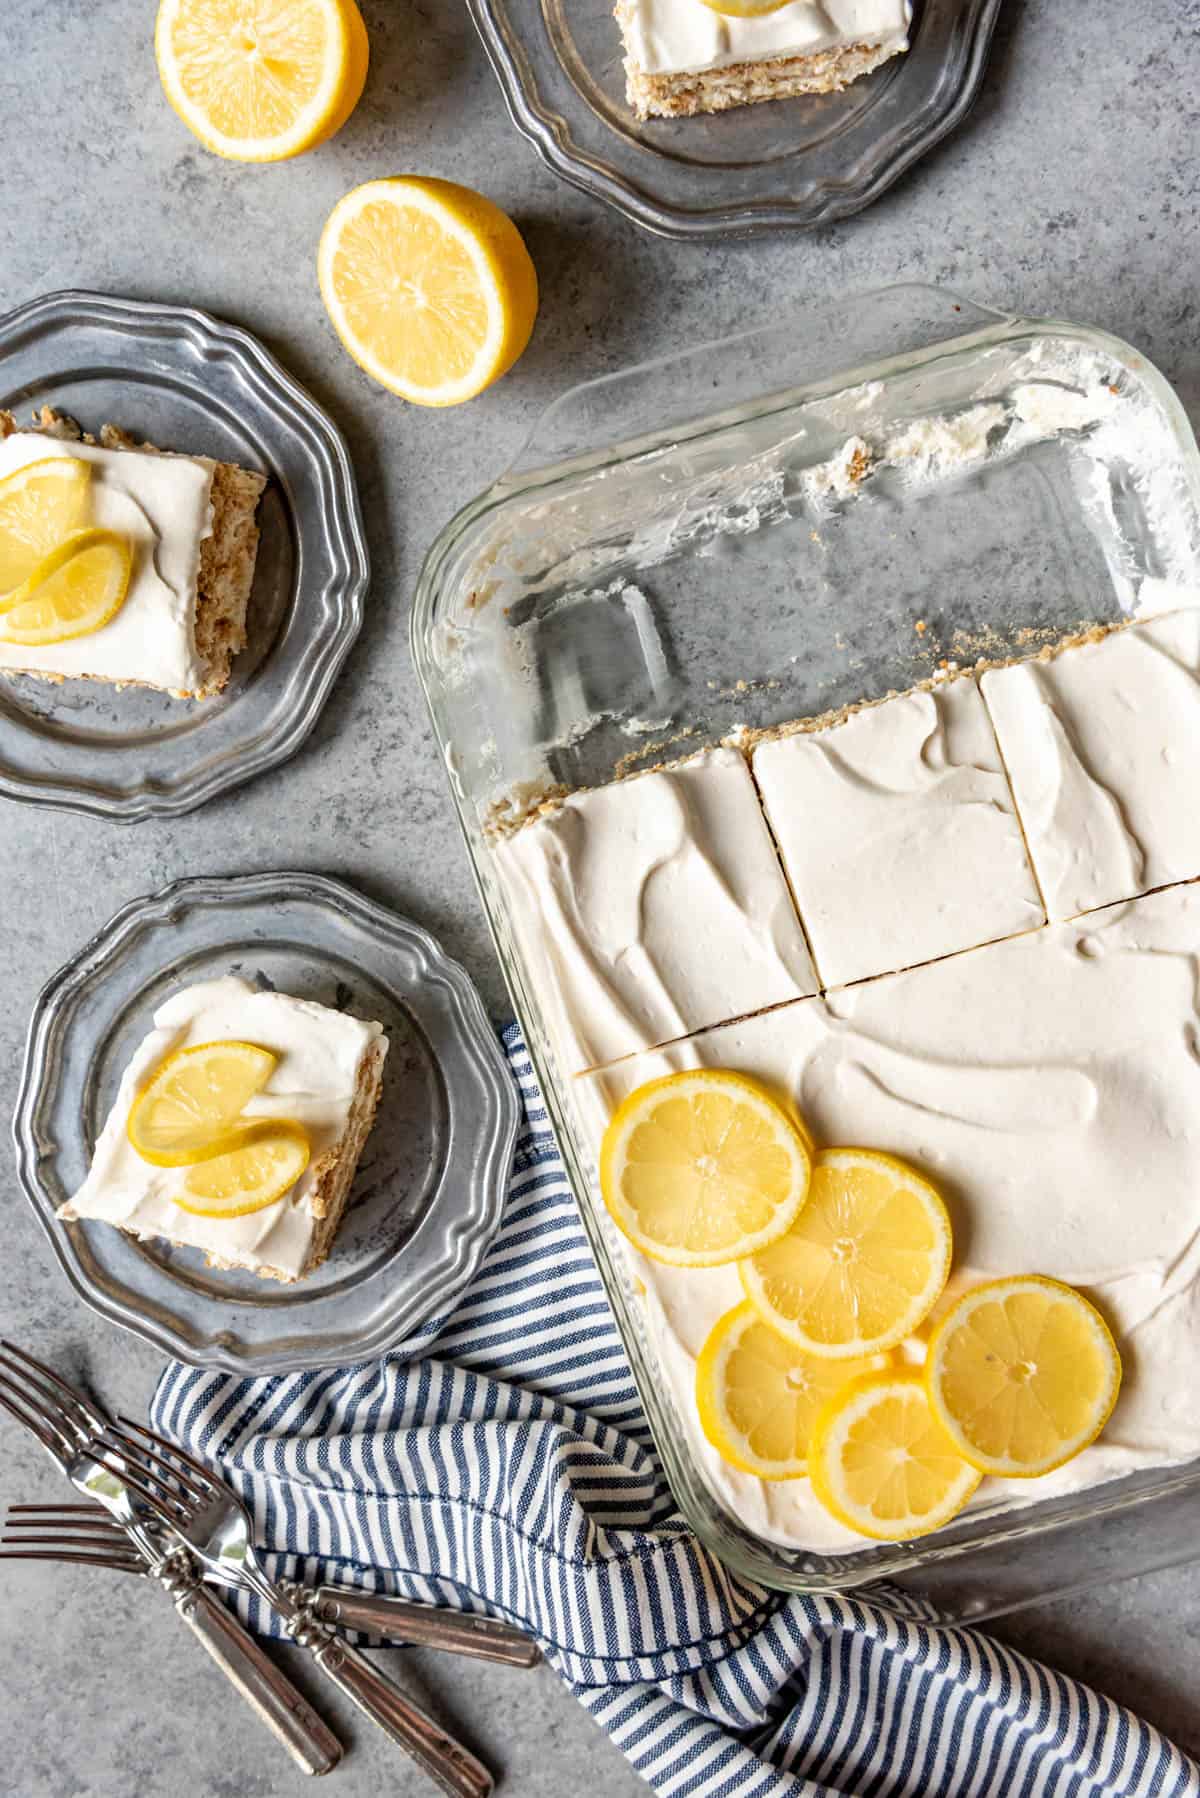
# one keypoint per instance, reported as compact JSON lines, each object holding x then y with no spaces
{"x":426,"y":1626}
{"x":447,"y":1762}
{"x":266,"y":1689}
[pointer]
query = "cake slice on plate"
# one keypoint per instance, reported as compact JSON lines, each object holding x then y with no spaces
{"x":688,"y":56}
{"x":122,"y":562}
{"x":237,"y":1128}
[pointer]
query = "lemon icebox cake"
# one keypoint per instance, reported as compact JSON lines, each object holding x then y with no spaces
{"x":691,"y":56}
{"x":121,"y":562}
{"x":237,"y":1128}
{"x":956,"y":939}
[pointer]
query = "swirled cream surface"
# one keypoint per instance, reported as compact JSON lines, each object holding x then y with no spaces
{"x":163,"y":504}
{"x":667,"y":37}
{"x":898,"y":834}
{"x":1103,"y":746}
{"x":320,"y":1055}
{"x":651,"y":908}
{"x":1050,"y":1084}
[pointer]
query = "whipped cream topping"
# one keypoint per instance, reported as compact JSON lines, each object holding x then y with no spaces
{"x":1102,"y":743}
{"x":163,"y":503}
{"x":1050,"y":1084}
{"x":898,"y":834}
{"x":668,"y":37}
{"x":652,"y":907}
{"x":320,"y":1054}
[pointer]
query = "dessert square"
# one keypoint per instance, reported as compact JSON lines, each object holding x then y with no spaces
{"x":682,"y":57}
{"x":1050,"y":1086}
{"x":898,"y":834}
{"x":327,"y":1080}
{"x":1102,"y":744}
{"x":651,"y":908}
{"x":191,"y":521}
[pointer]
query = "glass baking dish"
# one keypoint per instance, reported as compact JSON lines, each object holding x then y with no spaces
{"x":677,"y":554}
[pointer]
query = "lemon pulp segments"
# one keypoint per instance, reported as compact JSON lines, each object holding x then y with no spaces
{"x":249,"y":1177}
{"x":429,"y":286}
{"x":261,"y":80}
{"x":862,"y":1264}
{"x":759,"y":1397}
{"x":701,"y":1168}
{"x":881,"y":1462}
{"x":74,"y":591}
{"x":1023,"y":1373}
{"x":40,"y":504}
{"x":191,"y":1106}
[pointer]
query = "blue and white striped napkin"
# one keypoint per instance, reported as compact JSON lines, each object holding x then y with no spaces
{"x":499,"y":1461}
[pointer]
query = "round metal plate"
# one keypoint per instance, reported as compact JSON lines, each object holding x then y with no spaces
{"x":175,"y":377}
{"x":431,"y":1182}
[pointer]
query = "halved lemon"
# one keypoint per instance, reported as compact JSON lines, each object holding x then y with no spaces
{"x":40,"y":504}
{"x":249,"y":1177}
{"x":861,"y":1265}
{"x":429,"y":286}
{"x":882,"y":1463}
{"x":191,"y":1106}
{"x":759,"y":1397}
{"x":702,"y":1168}
{"x":74,"y":590}
{"x":261,"y":80}
{"x":1023,"y":1373}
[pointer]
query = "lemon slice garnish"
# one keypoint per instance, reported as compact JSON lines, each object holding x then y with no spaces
{"x":73,"y":592}
{"x":261,"y":80}
{"x":40,"y":504}
{"x":744,"y":9}
{"x":759,"y":1397}
{"x":702,"y":1168}
{"x":862,"y":1264}
{"x":191,"y":1106}
{"x":1023,"y":1374}
{"x":428,"y":285}
{"x":250,"y":1177}
{"x":882,"y":1463}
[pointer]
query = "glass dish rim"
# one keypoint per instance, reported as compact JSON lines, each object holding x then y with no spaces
{"x":968,"y":1536}
{"x":467,"y":1235}
{"x":825,"y":202}
{"x":341,"y":521}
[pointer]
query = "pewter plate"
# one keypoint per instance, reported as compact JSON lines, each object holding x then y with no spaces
{"x":779,"y":164}
{"x":177,"y":378}
{"x":431,"y":1182}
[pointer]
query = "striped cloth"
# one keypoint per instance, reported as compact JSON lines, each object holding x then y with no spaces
{"x":500,"y":1461}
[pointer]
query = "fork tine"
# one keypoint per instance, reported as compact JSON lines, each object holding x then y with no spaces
{"x":148,"y":1460}
{"x":88,"y":1508}
{"x":59,"y":1539}
{"x":51,"y":1439}
{"x":143,"y":1455}
{"x":209,"y":1483}
{"x":49,"y":1519}
{"x":114,"y":1459}
{"x":90,"y":1416}
{"x":123,"y":1563}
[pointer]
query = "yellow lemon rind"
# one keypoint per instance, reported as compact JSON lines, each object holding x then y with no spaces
{"x":1009,"y":1469}
{"x":76,"y":474}
{"x":921,"y":1306}
{"x":27,"y":594}
{"x":824,"y":1437}
{"x":630,"y":1111}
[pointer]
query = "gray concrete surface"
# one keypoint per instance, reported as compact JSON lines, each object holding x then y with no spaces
{"x":1073,"y":190}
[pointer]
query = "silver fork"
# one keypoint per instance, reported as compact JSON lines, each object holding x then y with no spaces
{"x":396,"y":1619}
{"x":61,"y":1424}
{"x":164,"y":1486}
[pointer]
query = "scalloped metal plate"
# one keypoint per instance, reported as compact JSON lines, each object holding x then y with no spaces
{"x":431,"y":1184}
{"x":782,"y":164}
{"x":175,"y":377}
